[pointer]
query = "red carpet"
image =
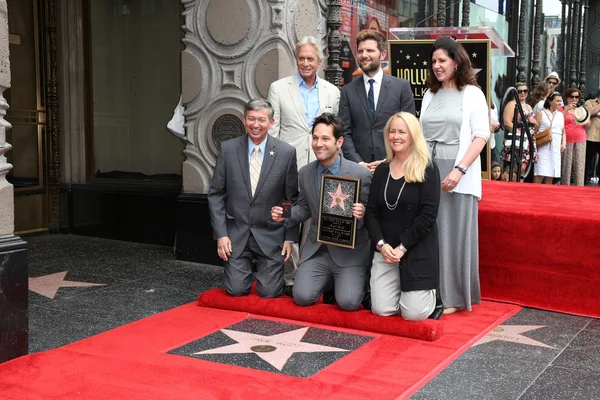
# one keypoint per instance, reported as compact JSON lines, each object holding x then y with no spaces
{"x":284,"y":307}
{"x":132,"y":362}
{"x":544,"y":252}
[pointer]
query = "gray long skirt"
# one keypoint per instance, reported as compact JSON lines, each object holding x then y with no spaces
{"x":459,"y":245}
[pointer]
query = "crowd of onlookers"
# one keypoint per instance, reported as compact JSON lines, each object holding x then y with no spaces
{"x":565,"y":132}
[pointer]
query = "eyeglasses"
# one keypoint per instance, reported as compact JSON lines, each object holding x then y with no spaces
{"x":522,"y":91}
{"x":553,"y":83}
{"x":574,"y":97}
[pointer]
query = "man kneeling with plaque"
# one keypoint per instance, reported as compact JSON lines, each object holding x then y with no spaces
{"x":333,"y":191}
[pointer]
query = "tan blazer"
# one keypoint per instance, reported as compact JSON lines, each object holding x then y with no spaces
{"x":290,"y":122}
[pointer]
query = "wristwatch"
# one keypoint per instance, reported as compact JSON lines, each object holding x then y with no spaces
{"x":380,"y":244}
{"x":461,"y":168}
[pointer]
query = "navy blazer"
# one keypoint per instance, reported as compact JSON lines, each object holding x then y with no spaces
{"x":363,"y":135}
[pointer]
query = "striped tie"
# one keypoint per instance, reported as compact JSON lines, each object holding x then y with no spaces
{"x":255,"y":165}
{"x":371,"y":96}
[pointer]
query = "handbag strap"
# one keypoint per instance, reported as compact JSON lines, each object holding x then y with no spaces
{"x":551,"y":120}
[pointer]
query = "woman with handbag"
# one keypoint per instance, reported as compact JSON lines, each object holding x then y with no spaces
{"x":573,"y":158}
{"x":551,"y":140}
{"x":508,"y":118}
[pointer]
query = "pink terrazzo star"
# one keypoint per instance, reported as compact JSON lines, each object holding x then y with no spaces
{"x":275,"y":349}
{"x":512,"y":333}
{"x":48,"y":285}
{"x":338,"y":197}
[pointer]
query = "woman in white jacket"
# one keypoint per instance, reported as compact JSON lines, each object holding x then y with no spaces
{"x":455,"y":121}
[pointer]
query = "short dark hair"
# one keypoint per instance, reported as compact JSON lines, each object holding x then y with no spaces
{"x":330,"y":120}
{"x":464,"y":74}
{"x":370,"y":34}
{"x":550,"y":98}
{"x":572,"y":90}
{"x":259,"y":104}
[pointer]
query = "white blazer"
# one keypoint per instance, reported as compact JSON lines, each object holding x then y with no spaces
{"x":291,"y":125}
{"x":475,"y":123}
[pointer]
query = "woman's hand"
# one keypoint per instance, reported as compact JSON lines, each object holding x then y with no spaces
{"x":390,"y":255}
{"x":563,"y":146}
{"x":451,"y":180}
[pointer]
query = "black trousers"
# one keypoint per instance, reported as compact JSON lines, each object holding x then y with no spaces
{"x":591,"y":149}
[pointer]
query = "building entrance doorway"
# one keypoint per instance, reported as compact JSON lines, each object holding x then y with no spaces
{"x":29,"y":114}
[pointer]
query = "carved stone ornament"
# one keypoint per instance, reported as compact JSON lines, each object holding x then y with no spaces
{"x":226,"y":127}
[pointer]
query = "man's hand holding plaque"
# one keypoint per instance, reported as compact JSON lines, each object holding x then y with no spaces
{"x":339,"y":211}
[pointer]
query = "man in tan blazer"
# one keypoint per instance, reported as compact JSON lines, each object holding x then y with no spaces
{"x":297,"y":100}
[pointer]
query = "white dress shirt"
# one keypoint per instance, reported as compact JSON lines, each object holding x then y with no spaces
{"x":376,"y":85}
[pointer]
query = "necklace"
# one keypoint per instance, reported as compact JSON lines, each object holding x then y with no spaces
{"x":392,"y":207}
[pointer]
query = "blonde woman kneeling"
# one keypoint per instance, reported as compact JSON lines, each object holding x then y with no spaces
{"x":400,"y":217}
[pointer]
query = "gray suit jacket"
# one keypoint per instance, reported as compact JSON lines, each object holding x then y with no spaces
{"x":308,"y":207}
{"x":291,"y":125}
{"x":363,"y":136}
{"x":234,"y":212}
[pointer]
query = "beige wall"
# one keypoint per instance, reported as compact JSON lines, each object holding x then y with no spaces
{"x":234,"y":49}
{"x":136,"y":50}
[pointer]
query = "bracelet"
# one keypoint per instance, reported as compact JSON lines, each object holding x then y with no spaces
{"x":461,"y":168}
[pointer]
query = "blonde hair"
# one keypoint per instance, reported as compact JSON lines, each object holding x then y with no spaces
{"x":418,"y":158}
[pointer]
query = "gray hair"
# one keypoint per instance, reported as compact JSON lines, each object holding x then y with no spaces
{"x":259,"y":104}
{"x":310,"y":41}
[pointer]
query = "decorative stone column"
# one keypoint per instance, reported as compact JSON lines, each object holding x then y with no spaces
{"x":441,"y":13}
{"x":466,"y":10}
{"x":535,"y":78}
{"x":574,"y":44}
{"x":561,"y":47}
{"x":234,"y":50}
{"x":583,"y":62}
{"x":521,"y":43}
{"x":13,"y":254}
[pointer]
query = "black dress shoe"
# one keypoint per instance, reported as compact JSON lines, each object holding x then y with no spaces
{"x":329,"y":297}
{"x":366,"y":302}
{"x":438,"y":311}
{"x":289,"y":290}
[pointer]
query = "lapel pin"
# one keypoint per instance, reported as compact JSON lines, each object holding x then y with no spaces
{"x":271,"y":153}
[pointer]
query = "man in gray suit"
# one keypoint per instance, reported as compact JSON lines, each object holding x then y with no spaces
{"x":321,"y":264}
{"x":253,"y":173}
{"x":368,"y":102}
{"x":297,"y":100}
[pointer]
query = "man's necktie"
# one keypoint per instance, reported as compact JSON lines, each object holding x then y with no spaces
{"x":255,"y":165}
{"x":325,"y":172}
{"x":372,"y":98}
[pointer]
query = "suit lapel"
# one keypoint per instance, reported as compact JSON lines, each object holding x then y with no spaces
{"x":297,"y":100}
{"x":244,"y":165}
{"x":383,"y":92}
{"x":268,"y":159}
{"x":314,"y":192}
{"x":362,"y":95}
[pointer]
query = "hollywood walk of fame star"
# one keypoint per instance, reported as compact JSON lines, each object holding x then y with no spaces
{"x":338,"y":197}
{"x":275,"y":349}
{"x":512,"y":333}
{"x":48,"y":285}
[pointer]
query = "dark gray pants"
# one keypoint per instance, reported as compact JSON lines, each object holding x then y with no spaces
{"x":269,"y":272}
